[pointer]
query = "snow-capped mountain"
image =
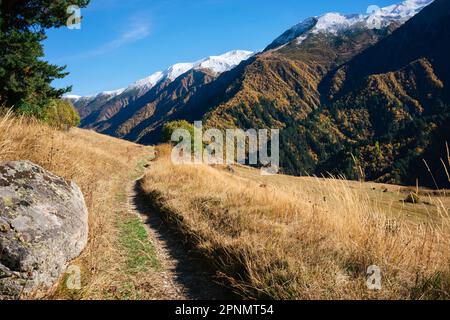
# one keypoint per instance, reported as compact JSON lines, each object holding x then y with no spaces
{"x":84,"y":100}
{"x":333,"y":23}
{"x":216,"y":64}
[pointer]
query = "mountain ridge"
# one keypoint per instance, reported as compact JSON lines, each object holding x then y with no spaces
{"x":334,"y":22}
{"x":218,"y":64}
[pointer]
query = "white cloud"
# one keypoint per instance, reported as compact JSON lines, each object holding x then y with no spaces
{"x":138,"y":30}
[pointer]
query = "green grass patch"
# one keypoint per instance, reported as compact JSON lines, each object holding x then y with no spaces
{"x":140,"y":252}
{"x":141,"y":165}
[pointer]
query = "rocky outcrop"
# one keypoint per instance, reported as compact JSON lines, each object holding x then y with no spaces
{"x":43,"y":225}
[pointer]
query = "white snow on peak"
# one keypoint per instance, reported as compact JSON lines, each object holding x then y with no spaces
{"x":403,"y":11}
{"x":112,"y":93}
{"x":108,"y":95}
{"x":293,"y":33}
{"x":375,"y":18}
{"x":217,"y":64}
{"x":148,"y":82}
{"x":333,"y":22}
{"x":72,"y":97}
{"x":224,"y":62}
{"x":177,"y":70}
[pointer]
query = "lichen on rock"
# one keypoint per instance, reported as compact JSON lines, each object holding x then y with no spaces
{"x":43,"y":225}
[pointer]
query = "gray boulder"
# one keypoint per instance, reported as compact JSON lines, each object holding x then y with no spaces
{"x":43,"y":225}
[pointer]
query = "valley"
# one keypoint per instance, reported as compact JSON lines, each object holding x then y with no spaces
{"x":342,"y":106}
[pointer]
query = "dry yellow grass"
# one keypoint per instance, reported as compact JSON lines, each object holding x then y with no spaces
{"x":384,"y":197}
{"x":286,"y":240}
{"x":101,"y":166}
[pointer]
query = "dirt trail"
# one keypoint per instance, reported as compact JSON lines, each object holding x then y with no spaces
{"x":183,"y":277}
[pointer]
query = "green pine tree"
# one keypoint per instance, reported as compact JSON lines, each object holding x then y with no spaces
{"x":25,"y":78}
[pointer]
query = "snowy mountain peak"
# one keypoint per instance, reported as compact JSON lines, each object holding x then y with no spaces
{"x":293,"y":33}
{"x":375,"y":18}
{"x":333,"y":22}
{"x":217,"y":64}
{"x":177,"y":70}
{"x":112,"y":93}
{"x":224,"y":62}
{"x":148,"y":82}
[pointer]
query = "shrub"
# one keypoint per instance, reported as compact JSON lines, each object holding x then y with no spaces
{"x":61,"y":114}
{"x":412,"y":198}
{"x":170,"y":127}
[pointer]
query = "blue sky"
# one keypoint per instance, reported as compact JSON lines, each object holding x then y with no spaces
{"x":123,"y":41}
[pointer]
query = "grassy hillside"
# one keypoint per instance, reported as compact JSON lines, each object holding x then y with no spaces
{"x":306,"y":238}
{"x":113,"y":264}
